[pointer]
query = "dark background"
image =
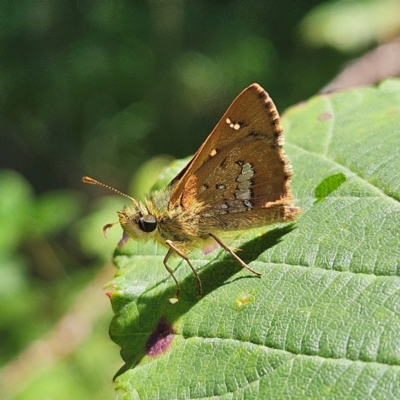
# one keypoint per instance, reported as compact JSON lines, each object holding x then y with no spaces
{"x":100,"y":86}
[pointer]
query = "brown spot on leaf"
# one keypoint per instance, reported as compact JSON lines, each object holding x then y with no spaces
{"x":324,"y":116}
{"x":160,"y":339}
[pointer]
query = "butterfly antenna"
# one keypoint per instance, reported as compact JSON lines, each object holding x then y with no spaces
{"x":88,"y":179}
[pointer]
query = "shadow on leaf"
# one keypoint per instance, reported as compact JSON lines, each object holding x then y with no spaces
{"x":156,"y":308}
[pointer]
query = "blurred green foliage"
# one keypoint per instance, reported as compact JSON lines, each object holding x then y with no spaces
{"x":99,"y":88}
{"x":352,"y":25}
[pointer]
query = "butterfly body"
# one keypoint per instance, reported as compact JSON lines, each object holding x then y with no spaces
{"x":177,"y":225}
{"x":238,"y":179}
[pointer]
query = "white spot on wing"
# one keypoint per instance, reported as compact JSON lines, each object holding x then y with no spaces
{"x":245,"y":177}
{"x":245,"y":195}
{"x":246,"y":174}
{"x":248,"y":204}
{"x":244,"y":185}
{"x":233,"y":125}
{"x":246,"y":167}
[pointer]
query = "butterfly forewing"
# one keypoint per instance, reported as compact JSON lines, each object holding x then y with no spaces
{"x":251,"y":111}
{"x":241,"y":167}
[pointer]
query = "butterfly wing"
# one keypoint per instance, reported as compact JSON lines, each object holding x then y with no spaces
{"x":241,"y":167}
{"x":243,"y":107}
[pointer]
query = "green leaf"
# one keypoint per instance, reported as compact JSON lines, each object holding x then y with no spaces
{"x":327,"y":24}
{"x":89,"y":231}
{"x":54,"y":210}
{"x":324,"y":319}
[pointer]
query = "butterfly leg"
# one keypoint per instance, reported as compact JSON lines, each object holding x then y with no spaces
{"x":234,"y":255}
{"x":168,"y":255}
{"x":173,"y":248}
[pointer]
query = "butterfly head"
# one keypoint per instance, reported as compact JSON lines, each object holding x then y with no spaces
{"x":137,"y":222}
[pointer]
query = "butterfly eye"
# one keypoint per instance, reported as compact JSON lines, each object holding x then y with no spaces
{"x":147,"y":223}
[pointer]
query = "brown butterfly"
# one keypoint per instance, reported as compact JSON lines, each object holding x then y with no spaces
{"x":238,"y":179}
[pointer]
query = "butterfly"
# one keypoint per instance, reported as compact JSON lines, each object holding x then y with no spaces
{"x":238,"y":179}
